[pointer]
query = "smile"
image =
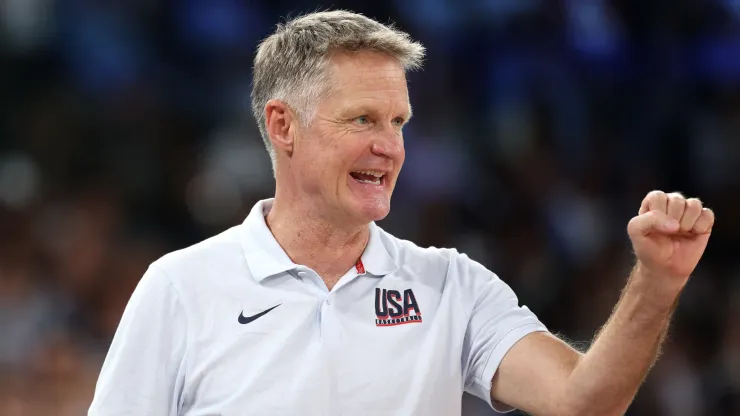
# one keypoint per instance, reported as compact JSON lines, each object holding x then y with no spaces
{"x":370,"y":177}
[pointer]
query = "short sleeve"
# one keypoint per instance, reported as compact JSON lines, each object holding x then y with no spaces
{"x":496,"y":323}
{"x":143,"y":371}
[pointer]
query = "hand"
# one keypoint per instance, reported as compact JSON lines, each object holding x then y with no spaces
{"x":669,"y":235}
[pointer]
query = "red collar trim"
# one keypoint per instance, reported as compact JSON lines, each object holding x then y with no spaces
{"x":360,"y":267}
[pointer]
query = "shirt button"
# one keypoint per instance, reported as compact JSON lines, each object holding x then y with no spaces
{"x":328,"y":301}
{"x":301,"y":274}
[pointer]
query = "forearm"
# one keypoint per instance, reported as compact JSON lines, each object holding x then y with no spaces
{"x":607,"y":377}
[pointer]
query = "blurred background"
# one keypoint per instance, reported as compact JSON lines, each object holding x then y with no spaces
{"x":539,"y":126}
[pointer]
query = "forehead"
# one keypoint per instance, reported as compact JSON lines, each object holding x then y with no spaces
{"x":366,"y":73}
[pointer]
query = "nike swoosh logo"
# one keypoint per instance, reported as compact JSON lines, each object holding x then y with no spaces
{"x":247,"y":319}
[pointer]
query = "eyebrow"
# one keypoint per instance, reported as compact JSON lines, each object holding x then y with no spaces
{"x":363,"y":109}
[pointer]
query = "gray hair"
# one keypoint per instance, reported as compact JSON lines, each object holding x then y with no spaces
{"x":290,"y":65}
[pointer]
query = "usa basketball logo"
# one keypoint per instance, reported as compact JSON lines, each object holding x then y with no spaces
{"x":392,"y":308}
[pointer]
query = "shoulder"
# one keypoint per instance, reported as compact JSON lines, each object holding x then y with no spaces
{"x":411,"y":256}
{"x":444,"y":262}
{"x":212,"y":256}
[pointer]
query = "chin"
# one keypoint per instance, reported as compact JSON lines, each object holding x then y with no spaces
{"x":374,"y":211}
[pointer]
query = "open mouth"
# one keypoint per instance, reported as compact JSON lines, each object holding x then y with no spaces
{"x":370,"y":177}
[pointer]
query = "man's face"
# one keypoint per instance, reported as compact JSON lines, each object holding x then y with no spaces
{"x":349,"y":159}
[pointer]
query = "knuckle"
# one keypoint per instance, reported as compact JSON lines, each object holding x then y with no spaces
{"x":636,"y":220}
{"x":653,"y":195}
{"x":705,"y":221}
{"x":653,"y":217}
{"x":709,"y":213}
{"x":694,"y":207}
{"x":693,"y":202}
{"x":704,"y":227}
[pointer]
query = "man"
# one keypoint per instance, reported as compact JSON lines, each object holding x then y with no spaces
{"x":309,"y":308}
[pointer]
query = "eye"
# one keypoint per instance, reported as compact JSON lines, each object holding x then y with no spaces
{"x":362,"y":120}
{"x":399,"y":121}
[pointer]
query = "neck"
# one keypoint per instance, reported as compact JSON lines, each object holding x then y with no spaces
{"x":313,"y":241}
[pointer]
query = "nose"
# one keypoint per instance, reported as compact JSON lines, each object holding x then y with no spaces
{"x":389,"y":146}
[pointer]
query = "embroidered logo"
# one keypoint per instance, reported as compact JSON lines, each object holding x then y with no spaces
{"x":392,"y":308}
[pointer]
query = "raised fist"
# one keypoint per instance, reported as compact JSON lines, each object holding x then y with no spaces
{"x":669,"y":235}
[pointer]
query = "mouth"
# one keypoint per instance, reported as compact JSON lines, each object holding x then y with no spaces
{"x":369,"y":177}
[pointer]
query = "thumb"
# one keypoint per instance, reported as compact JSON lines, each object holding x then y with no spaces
{"x":650,"y":222}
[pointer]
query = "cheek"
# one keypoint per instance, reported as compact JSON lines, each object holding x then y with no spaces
{"x":400,"y":157}
{"x":328,"y":172}
{"x":316,"y":157}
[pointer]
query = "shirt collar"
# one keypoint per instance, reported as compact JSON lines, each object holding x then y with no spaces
{"x":265,"y":257}
{"x":376,"y":258}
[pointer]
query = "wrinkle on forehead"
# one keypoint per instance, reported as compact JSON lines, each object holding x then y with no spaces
{"x":360,"y":69}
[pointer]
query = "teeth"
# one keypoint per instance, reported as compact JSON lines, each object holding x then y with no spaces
{"x":371,"y":172}
{"x":375,"y":182}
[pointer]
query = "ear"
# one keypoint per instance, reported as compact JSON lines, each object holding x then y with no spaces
{"x":278,"y":120}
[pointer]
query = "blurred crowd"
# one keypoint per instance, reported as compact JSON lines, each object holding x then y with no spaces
{"x":539,"y":126}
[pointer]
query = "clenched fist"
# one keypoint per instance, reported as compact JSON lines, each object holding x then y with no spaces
{"x":669,"y":235}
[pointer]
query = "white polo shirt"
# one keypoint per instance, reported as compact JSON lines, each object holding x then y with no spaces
{"x":231,"y":326}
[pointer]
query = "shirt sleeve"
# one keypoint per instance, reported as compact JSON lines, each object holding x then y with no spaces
{"x":143,"y":371}
{"x":495,"y":324}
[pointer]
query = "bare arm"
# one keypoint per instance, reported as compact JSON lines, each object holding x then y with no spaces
{"x":608,"y":376}
{"x":543,"y":375}
{"x":603,"y":381}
